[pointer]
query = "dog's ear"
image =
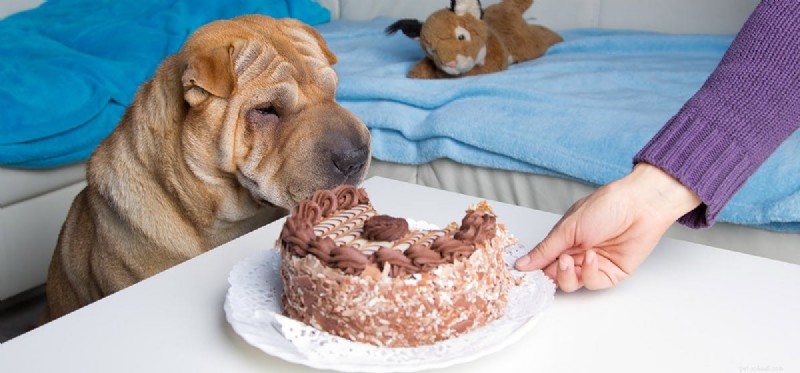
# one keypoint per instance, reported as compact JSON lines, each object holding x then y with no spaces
{"x":410,"y":27}
{"x":208,"y":73}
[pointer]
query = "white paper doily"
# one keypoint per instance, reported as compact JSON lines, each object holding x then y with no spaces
{"x":252,"y":307}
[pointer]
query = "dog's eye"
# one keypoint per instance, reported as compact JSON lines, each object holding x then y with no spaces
{"x":263,"y":116}
{"x":461,"y":37}
{"x":267,"y":110}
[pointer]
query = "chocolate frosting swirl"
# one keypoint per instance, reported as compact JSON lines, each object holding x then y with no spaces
{"x":452,"y":249}
{"x":401,"y":265}
{"x":321,"y":248}
{"x":423,"y":257}
{"x":346,"y":196}
{"x":350,"y":260}
{"x":363,"y":198}
{"x":326,"y":201}
{"x":296,"y":235}
{"x":385,"y":228}
{"x":477,"y":226}
{"x":308,"y":211}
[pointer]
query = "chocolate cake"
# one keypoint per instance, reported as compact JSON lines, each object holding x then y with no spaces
{"x":367,"y":277}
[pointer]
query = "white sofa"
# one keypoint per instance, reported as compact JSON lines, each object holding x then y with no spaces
{"x":33,"y":203}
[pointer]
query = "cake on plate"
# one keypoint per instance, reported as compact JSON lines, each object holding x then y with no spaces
{"x":377,"y":279}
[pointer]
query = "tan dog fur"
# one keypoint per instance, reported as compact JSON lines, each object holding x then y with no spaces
{"x":229,"y":133}
{"x":463,"y":40}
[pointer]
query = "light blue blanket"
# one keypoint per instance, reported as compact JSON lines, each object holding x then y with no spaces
{"x":70,"y":67}
{"x":582,"y":111}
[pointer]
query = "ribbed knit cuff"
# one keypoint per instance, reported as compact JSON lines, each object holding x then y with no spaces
{"x":689,"y":149}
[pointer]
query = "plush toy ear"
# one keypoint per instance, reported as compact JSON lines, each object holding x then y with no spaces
{"x":208,"y":74}
{"x":462,"y":7}
{"x":409,"y":27}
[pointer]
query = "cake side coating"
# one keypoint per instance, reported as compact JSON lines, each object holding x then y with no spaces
{"x":397,"y":293}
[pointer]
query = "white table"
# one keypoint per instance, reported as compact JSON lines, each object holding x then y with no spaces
{"x":689,"y":308}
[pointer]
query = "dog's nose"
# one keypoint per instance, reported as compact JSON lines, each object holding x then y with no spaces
{"x":349,"y":162}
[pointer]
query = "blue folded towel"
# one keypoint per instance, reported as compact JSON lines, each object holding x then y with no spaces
{"x":70,"y":67}
{"x":582,"y":111}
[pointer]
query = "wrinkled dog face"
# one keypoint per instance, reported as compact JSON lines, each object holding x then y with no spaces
{"x":262,"y":111}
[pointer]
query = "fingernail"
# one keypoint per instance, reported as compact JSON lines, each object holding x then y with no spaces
{"x":590,"y":258}
{"x":562,"y":263}
{"x":523,"y":261}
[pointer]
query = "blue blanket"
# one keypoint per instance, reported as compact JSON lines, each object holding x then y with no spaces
{"x":70,"y":67}
{"x":582,"y":111}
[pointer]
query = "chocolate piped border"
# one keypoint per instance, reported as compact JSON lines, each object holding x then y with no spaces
{"x":298,"y":237}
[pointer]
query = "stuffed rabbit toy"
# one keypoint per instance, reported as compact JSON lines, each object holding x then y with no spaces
{"x":465,"y":39}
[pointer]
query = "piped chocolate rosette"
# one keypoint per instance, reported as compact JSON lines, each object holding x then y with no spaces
{"x":368,"y":277}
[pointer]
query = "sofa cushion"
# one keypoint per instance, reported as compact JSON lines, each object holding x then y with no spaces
{"x":21,"y":184}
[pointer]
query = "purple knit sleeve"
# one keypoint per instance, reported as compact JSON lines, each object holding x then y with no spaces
{"x":748,"y":106}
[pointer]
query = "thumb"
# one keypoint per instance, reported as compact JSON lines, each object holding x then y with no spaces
{"x":546,"y":251}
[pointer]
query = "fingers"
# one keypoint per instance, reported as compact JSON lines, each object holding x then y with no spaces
{"x":592,"y":278}
{"x":546,"y":251}
{"x":588,"y":269}
{"x":600,"y":273}
{"x":567,"y":276}
{"x":560,"y":238}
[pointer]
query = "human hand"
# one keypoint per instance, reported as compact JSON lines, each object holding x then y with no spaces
{"x":605,"y":236}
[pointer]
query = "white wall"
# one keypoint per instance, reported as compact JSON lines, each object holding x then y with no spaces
{"x":684,"y":16}
{"x":678,"y":16}
{"x":13,"y":6}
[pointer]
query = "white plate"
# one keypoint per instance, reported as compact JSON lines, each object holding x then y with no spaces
{"x":252,"y":307}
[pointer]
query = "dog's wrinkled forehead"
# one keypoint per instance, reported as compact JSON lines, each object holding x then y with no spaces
{"x":283,"y":48}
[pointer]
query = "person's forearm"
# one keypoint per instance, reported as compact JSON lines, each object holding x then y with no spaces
{"x":748,"y":106}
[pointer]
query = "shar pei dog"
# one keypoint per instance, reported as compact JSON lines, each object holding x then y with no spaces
{"x":228,"y":135}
